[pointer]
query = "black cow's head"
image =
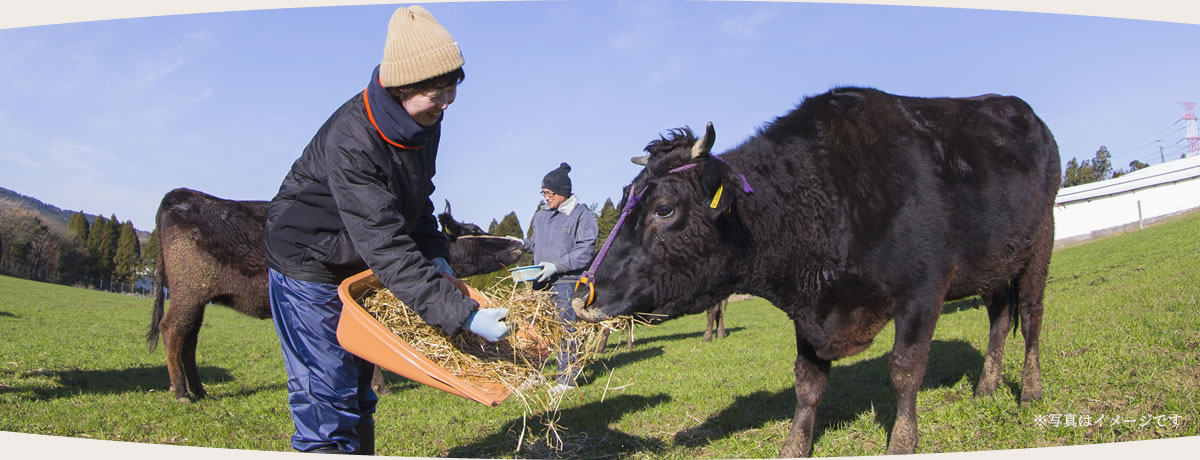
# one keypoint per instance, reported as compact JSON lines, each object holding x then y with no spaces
{"x":682,"y":243}
{"x":454,"y":229}
{"x":473,"y":251}
{"x":475,"y":254}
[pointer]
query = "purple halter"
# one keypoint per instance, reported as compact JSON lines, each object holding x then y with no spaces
{"x":633,"y":200}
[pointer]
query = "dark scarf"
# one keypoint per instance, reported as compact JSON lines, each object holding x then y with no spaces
{"x":392,"y":121}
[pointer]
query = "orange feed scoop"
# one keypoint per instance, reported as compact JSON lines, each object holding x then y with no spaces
{"x":365,"y":337}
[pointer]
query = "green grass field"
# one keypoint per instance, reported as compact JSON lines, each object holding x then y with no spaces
{"x":1120,"y":340}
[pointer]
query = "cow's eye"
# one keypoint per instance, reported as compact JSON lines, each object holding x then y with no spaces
{"x":663,"y":210}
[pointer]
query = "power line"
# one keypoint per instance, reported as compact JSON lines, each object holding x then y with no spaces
{"x":1155,"y":133}
{"x":1127,"y":150}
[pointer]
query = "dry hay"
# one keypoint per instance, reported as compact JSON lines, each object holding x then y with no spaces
{"x":517,"y":361}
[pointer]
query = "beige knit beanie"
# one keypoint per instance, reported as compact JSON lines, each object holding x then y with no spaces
{"x":417,"y":48}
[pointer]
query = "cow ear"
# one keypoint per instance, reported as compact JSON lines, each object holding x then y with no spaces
{"x":703,"y":146}
{"x":720,"y":188}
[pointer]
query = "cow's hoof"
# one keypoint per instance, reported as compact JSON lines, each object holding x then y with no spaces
{"x":183,"y":399}
{"x":901,"y":446}
{"x":986,"y":388}
{"x":1031,"y":396}
{"x":1031,"y":389}
{"x":790,"y":451}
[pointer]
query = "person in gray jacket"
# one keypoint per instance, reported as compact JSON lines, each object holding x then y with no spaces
{"x":562,"y":240}
{"x":358,"y":198}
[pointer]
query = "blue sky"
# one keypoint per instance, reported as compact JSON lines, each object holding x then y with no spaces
{"x":107,"y":116}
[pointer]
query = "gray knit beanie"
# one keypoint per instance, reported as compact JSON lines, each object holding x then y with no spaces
{"x":557,"y":180}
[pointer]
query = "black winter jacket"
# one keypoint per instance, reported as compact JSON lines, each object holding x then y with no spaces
{"x":355,"y":200}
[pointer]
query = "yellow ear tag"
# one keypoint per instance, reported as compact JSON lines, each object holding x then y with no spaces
{"x":717,"y":197}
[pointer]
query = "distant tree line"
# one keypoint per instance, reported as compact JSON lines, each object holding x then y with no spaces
{"x":104,"y":254}
{"x":1096,"y":169}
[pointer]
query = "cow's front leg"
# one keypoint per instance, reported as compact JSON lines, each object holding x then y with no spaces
{"x":379,"y":384}
{"x":708,"y":330}
{"x":721,"y":319}
{"x":914,"y":333}
{"x":190,"y":369}
{"x":812,"y":378}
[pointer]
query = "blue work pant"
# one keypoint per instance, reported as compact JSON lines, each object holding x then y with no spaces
{"x":568,"y":370}
{"x":329,"y":389}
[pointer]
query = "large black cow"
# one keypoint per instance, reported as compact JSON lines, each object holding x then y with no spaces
{"x":214,"y":250}
{"x":855,"y":208}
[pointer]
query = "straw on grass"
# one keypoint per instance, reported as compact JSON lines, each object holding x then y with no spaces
{"x":537,"y":333}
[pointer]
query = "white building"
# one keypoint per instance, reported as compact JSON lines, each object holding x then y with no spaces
{"x":1128,"y":202}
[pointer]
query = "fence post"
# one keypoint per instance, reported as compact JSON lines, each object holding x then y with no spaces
{"x":1140,"y":226}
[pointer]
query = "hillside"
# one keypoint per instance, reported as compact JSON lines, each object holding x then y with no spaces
{"x":53,"y":216}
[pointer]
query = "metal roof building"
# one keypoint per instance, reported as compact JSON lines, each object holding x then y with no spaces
{"x":1128,"y":202}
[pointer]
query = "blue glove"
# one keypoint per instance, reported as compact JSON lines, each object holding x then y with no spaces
{"x":442,"y":266}
{"x":486,"y":323}
{"x":548,"y":270}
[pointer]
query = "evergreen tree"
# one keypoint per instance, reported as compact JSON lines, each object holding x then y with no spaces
{"x":1096,"y":169}
{"x":150,"y":254}
{"x":1102,"y":165}
{"x":116,"y":232}
{"x":73,"y":263}
{"x":101,"y":247}
{"x":1136,"y":165}
{"x":78,"y":228}
{"x":509,"y":226}
{"x":126,"y":261}
{"x":1078,"y":173}
{"x":605,"y":221}
{"x":492,"y":227}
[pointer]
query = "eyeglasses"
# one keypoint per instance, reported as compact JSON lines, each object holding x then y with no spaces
{"x":547,"y":193}
{"x":442,"y":95}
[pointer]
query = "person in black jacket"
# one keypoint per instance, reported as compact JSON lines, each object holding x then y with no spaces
{"x":358,"y":198}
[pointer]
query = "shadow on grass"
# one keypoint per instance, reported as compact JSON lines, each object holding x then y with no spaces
{"x":602,"y":366}
{"x":969,"y":303}
{"x":854,"y":389}
{"x":7,"y":314}
{"x":673,"y":337}
{"x":590,"y":434}
{"x":397,"y":383}
{"x":110,"y":381}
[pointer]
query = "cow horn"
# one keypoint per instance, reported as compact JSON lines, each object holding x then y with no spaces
{"x":447,"y":211}
{"x":704,"y":145}
{"x":640,"y":161}
{"x":589,"y":315}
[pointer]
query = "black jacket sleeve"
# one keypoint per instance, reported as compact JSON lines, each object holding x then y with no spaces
{"x":368,"y":208}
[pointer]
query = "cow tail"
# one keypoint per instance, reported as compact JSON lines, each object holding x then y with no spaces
{"x":160,"y":278}
{"x":1014,"y":304}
